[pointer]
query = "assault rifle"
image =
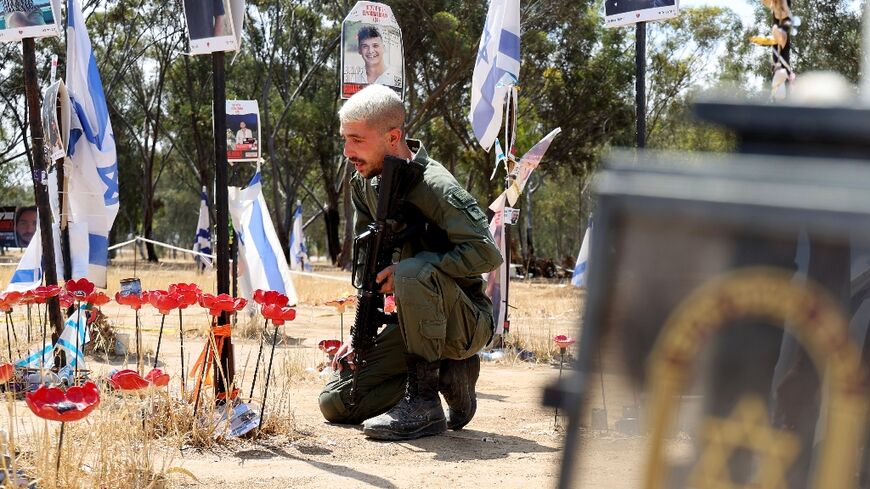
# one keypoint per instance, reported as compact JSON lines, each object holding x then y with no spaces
{"x":373,"y":251}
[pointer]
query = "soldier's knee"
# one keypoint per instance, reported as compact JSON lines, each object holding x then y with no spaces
{"x":333,"y":408}
{"x":413,"y":268}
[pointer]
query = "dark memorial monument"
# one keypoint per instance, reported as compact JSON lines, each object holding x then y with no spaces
{"x":731,"y":280}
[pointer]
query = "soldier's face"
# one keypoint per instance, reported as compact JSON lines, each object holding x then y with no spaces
{"x":365,"y":147}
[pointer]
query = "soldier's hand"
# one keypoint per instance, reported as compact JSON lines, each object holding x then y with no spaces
{"x":342,"y":356}
{"x":385,"y":278}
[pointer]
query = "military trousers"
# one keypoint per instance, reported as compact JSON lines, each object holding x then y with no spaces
{"x":437,"y":320}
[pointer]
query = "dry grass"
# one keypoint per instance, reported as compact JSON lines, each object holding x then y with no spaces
{"x":133,"y":441}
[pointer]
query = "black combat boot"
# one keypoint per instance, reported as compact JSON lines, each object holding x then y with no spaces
{"x":456,"y":383}
{"x":417,"y":414}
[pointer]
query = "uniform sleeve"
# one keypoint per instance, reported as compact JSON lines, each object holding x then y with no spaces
{"x":474,"y":251}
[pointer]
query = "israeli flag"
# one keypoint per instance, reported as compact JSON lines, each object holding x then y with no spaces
{"x":28,"y":274}
{"x":298,"y":250}
{"x":261,"y":260}
{"x":497,"y":68}
{"x":92,"y":164}
{"x":581,"y":268}
{"x":202,"y":242}
{"x":75,"y":324}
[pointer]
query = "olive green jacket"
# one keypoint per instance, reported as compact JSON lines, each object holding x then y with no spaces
{"x":456,"y":239}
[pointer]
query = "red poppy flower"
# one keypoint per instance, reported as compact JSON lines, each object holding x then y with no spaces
{"x":80,"y":289}
{"x":44,"y":292}
{"x":278,"y":314}
{"x":188,"y":294}
{"x":66,"y":299}
{"x":157,"y":377}
{"x":98,"y":299}
{"x":163,"y":301}
{"x":27,"y":297}
{"x":130,"y":380}
{"x":217,"y":304}
{"x":390,"y":304}
{"x":134,"y":301}
{"x":563,"y":341}
{"x":6,"y":372}
{"x":8,"y":300}
{"x":264,"y":297}
{"x":56,"y":405}
{"x":341,"y":303}
{"x":329,"y":346}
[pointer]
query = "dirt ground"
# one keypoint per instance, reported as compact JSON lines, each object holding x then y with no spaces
{"x":513,"y":440}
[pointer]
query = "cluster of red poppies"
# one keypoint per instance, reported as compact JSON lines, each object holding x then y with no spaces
{"x":273,"y":306}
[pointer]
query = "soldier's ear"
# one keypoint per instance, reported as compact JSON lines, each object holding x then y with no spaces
{"x":394,"y":136}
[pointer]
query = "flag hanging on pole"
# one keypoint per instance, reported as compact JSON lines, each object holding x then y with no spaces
{"x":527,"y":164}
{"x":298,"y":251}
{"x":580,"y":269}
{"x":261,"y":260}
{"x":29,"y":272}
{"x":92,"y":164}
{"x":496,"y":70}
{"x":202,"y":242}
{"x":496,"y":280}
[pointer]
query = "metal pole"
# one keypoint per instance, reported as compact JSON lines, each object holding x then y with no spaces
{"x":222,"y":249}
{"x":640,"y":82}
{"x":40,"y":181}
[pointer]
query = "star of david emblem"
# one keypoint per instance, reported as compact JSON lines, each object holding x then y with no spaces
{"x":746,"y":428}
{"x":487,"y":36}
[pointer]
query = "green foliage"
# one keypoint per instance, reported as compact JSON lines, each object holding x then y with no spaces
{"x":576,"y":75}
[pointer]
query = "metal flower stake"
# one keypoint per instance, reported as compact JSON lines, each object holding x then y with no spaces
{"x":134,"y":301}
{"x":278,"y":315}
{"x":563,"y":342}
{"x":188,"y":295}
{"x":263,"y":298}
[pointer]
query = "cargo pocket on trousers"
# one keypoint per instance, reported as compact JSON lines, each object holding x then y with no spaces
{"x":482,"y":334}
{"x":433,"y":329}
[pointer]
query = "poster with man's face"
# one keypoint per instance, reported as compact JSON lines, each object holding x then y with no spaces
{"x":20,"y":19}
{"x":7,"y":227}
{"x":243,"y":130}
{"x":210,"y":25}
{"x":371,"y":49}
{"x":25,"y":225}
{"x":625,"y":12}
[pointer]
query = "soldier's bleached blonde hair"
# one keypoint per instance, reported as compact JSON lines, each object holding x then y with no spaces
{"x":376,"y":105}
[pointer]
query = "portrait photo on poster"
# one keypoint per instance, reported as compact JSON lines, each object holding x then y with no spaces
{"x":371,"y":49}
{"x":20,"y":19}
{"x":25,"y":225}
{"x":243,"y":130}
{"x":209,"y":26}
{"x":626,"y":12}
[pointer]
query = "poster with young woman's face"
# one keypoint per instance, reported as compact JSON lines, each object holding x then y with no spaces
{"x":371,"y":49}
{"x":243,"y":130}
{"x":20,"y":19}
{"x":210,"y":25}
{"x":625,"y":12}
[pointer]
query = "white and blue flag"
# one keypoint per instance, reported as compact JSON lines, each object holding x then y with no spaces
{"x":496,"y":70}
{"x":75,"y":324}
{"x":262,"y":264}
{"x":92,"y":163}
{"x":298,"y":250}
{"x":579,"y":279}
{"x":202,"y":242}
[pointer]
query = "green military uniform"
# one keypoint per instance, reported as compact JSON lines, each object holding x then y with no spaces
{"x":443,"y":310}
